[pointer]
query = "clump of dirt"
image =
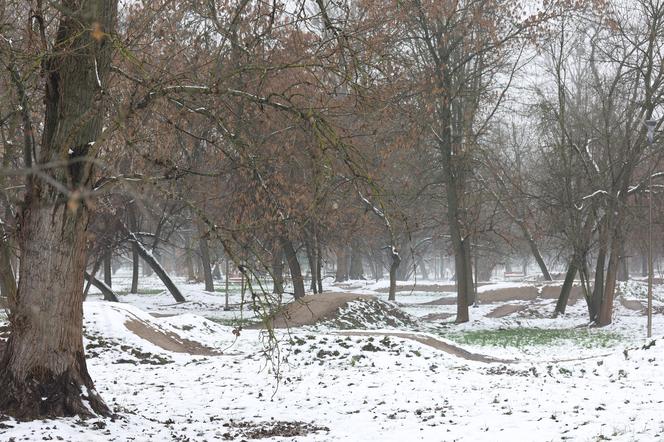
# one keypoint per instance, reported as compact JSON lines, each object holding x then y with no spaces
{"x":263,"y":430}
{"x":369,"y":314}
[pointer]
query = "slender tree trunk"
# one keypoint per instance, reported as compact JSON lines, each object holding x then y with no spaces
{"x":43,"y":370}
{"x":205,"y":261}
{"x":319,"y":264}
{"x":311,"y":260}
{"x":623,"y":264}
{"x":394,"y":267}
{"x":108,"y":272}
{"x":157,"y":268}
{"x":534,"y":250}
{"x":106,"y":291}
{"x":277,"y":270}
{"x":294,"y":266}
{"x":135,"y":260}
{"x":566,"y":289}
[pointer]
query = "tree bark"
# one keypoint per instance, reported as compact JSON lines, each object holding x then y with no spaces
{"x":106,"y":291}
{"x":311,"y":259}
{"x":294,"y":266}
{"x":205,"y":261}
{"x":356,"y":267}
{"x":157,"y":268}
{"x":277,"y":270}
{"x":394,"y":267}
{"x":566,"y":289}
{"x":135,"y":260}
{"x":43,"y":372}
{"x":342,"y":265}
{"x":108,"y":271}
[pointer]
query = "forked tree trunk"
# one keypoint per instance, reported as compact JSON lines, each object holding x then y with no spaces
{"x":294,"y":266}
{"x":43,"y":370}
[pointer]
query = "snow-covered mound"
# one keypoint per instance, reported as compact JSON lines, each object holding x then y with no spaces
{"x":370,"y":314}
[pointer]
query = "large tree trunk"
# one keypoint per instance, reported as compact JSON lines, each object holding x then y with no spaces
{"x":356,"y":267}
{"x":342,"y":265}
{"x":294,"y":266}
{"x":205,"y":261}
{"x":43,"y":370}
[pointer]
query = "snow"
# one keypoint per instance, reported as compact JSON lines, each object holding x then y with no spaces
{"x":366,"y":388}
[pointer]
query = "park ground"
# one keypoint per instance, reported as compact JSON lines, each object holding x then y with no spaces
{"x":350,"y":366}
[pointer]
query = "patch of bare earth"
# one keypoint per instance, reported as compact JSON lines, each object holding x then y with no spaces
{"x":426,"y":288}
{"x":167,"y":340}
{"x":437,"y":316}
{"x":313,"y":308}
{"x":435,"y":343}
{"x":506,"y":310}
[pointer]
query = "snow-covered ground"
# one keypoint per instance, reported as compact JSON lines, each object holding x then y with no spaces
{"x":565,"y":381}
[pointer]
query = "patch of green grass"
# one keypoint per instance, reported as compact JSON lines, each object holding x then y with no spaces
{"x":528,"y":337}
{"x":231,"y":322}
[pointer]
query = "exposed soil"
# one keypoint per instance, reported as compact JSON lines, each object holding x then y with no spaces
{"x":167,"y":340}
{"x":507,"y":294}
{"x":435,"y":343}
{"x":506,"y":310}
{"x":312,"y":309}
{"x":426,"y":287}
{"x":437,"y":316}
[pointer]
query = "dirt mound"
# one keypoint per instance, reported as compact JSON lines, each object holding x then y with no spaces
{"x":340,"y":310}
{"x":369,"y":314}
{"x":553,"y":291}
{"x":312,"y":309}
{"x":167,"y":340}
{"x":508,"y":294}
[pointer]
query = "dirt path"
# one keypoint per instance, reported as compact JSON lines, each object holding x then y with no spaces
{"x":506,"y":310}
{"x":435,"y":343}
{"x":165,"y":339}
{"x":312,"y":308}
